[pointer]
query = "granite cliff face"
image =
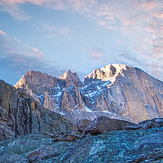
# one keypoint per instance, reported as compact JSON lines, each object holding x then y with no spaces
{"x":116,"y":91}
{"x":22,"y":115}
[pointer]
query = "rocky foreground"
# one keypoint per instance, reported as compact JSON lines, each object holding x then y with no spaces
{"x":128,"y":146}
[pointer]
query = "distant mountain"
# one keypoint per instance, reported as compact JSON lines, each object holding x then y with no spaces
{"x":116,"y":91}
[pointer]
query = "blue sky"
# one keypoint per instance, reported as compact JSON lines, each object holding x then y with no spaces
{"x":81,"y":35}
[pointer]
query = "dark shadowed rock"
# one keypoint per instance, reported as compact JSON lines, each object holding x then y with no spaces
{"x":21,"y":115}
{"x":104,"y":124}
{"x":82,"y":124}
{"x":156,"y":122}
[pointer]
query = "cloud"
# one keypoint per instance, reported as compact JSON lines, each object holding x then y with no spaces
{"x":14,"y":10}
{"x":158,"y":13}
{"x":125,"y":57}
{"x":64,"y":31}
{"x":155,"y":69}
{"x":2,"y":33}
{"x":97,"y":54}
{"x":13,"y":7}
{"x":140,"y":22}
{"x":51,"y":31}
{"x":18,"y":40}
{"x":44,"y":27}
{"x":10,"y":46}
{"x":120,"y":42}
{"x":15,"y":61}
{"x":148,"y":4}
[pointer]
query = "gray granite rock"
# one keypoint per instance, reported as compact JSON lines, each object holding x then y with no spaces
{"x":115,"y":146}
{"x":21,"y":115}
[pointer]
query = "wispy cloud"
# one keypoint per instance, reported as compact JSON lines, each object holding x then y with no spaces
{"x":20,"y":61}
{"x":2,"y":33}
{"x":64,"y":31}
{"x":51,"y":31}
{"x":120,"y":42}
{"x":10,"y":46}
{"x":13,"y":7}
{"x":18,"y":40}
{"x":97,"y":54}
{"x":14,"y":10}
{"x":141,"y":21}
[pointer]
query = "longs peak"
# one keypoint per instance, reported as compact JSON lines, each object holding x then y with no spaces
{"x":117,"y":91}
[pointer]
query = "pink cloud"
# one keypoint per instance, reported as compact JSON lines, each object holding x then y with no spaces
{"x":37,"y":2}
{"x":102,"y":22}
{"x":3,"y":33}
{"x":148,"y":4}
{"x":97,"y":55}
{"x":158,"y":14}
{"x":35,"y":49}
{"x":120,"y":42}
{"x":157,"y":49}
{"x":10,"y":47}
{"x":111,"y":28}
{"x":92,"y":1}
{"x":14,"y":10}
{"x":33,"y":53}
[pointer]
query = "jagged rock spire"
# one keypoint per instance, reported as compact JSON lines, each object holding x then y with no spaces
{"x":70,"y":78}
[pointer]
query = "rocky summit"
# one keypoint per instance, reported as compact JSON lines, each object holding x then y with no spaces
{"x":115,"y":115}
{"x":116,"y":91}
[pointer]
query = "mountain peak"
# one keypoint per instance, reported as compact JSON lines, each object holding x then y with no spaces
{"x":70,"y":78}
{"x":108,"y":73}
{"x":67,"y":74}
{"x":36,"y":78}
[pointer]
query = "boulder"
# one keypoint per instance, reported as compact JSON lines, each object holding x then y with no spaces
{"x":82,"y":124}
{"x":104,"y":124}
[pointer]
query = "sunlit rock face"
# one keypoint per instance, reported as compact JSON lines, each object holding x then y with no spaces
{"x":116,"y":91}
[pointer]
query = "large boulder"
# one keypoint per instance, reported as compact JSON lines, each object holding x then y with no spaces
{"x":104,"y":124}
{"x":82,"y":124}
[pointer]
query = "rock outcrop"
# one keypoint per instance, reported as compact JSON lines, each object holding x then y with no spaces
{"x":156,"y":122}
{"x":116,"y":91}
{"x":21,"y":115}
